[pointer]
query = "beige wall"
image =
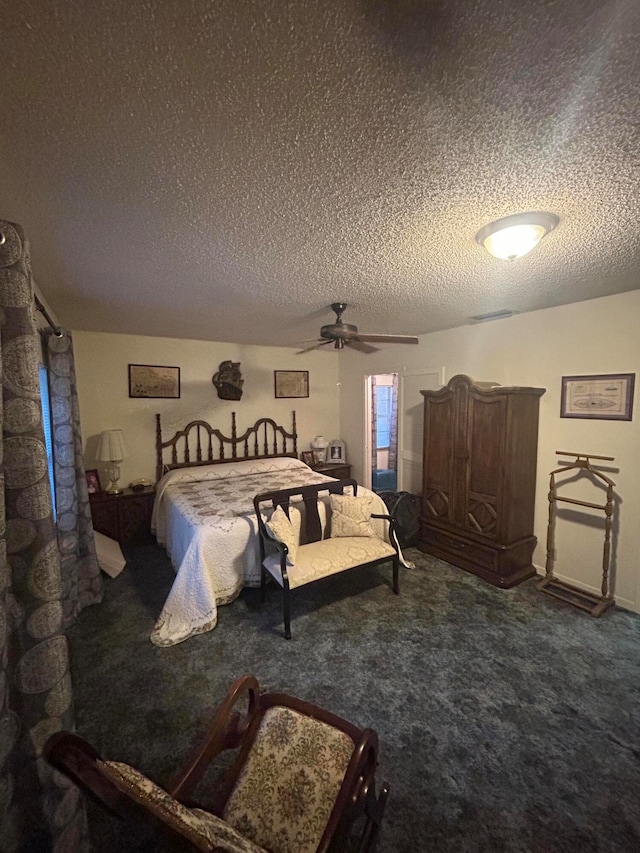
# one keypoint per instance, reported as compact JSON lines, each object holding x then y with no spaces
{"x":102,"y":369}
{"x":537,"y":349}
{"x":598,"y":336}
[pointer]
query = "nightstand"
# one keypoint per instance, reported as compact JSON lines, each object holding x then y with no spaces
{"x":125,"y":517}
{"x":339,"y":470}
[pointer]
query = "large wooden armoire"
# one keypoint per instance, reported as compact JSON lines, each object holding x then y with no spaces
{"x":479,"y":478}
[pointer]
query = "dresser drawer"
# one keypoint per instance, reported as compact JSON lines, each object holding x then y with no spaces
{"x":470,"y":553}
{"x":339,"y":470}
{"x":501,"y":565}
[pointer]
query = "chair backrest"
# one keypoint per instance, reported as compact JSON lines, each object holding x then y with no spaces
{"x":309,"y":496}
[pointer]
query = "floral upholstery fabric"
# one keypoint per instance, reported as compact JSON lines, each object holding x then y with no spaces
{"x":287,"y":789}
{"x":204,"y":829}
{"x":328,"y":557}
{"x":351,"y":516}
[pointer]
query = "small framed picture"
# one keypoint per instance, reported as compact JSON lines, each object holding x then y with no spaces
{"x":307,"y":457}
{"x":337,"y":451}
{"x":93,"y":481}
{"x":291,"y":383}
{"x":607,"y":397}
{"x":153,"y":380}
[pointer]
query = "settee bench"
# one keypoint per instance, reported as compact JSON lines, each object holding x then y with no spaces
{"x":313,"y":547}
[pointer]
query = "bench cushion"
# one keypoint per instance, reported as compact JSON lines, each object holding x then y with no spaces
{"x":288,"y":786}
{"x":328,"y":557}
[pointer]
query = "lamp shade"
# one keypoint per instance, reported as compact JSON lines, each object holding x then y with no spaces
{"x":515,"y":236}
{"x":112,"y":446}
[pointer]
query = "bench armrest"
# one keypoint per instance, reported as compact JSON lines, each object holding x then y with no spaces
{"x":393,"y":533}
{"x":280,"y":546}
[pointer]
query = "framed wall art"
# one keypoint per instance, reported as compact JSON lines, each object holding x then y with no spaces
{"x":291,"y":383}
{"x":606,"y":397}
{"x":152,"y":380}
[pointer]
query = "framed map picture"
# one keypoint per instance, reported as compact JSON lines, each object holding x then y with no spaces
{"x":152,"y":380}
{"x":605,"y":397}
{"x":291,"y":383}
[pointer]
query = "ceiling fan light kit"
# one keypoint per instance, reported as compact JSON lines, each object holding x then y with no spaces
{"x":514,"y":236}
{"x":344,"y":334}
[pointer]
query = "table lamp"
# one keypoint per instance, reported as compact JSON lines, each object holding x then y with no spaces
{"x":112,"y":449}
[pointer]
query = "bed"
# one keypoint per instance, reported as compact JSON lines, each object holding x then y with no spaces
{"x":203,"y":514}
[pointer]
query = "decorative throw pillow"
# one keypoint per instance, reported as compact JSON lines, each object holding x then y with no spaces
{"x":280,"y":526}
{"x":351,"y":516}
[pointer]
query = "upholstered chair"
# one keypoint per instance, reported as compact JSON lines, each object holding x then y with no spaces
{"x":302,"y":781}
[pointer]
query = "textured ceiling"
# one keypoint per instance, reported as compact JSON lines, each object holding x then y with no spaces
{"x":224,"y":169}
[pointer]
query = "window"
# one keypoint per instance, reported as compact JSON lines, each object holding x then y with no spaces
{"x":384,"y":400}
{"x":46,"y":423}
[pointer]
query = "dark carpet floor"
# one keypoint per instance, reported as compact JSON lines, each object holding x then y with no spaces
{"x":508,"y":721}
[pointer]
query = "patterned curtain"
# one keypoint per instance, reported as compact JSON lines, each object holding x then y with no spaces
{"x":374,"y":427}
{"x":393,"y":426}
{"x":39,"y":810}
{"x":81,"y":579}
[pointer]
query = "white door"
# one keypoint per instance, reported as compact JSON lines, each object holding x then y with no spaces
{"x":410,"y":424}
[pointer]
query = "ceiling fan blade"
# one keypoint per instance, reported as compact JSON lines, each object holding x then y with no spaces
{"x":315,"y":346}
{"x":388,"y":339}
{"x":359,"y":345}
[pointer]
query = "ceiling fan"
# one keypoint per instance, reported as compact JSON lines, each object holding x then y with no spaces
{"x":344,"y":334}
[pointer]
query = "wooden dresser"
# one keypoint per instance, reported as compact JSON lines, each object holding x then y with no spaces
{"x":339,"y":470}
{"x":125,"y":517}
{"x":479,"y":478}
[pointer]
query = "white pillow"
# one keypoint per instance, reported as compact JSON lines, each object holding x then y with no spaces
{"x":280,"y":526}
{"x":351,"y":516}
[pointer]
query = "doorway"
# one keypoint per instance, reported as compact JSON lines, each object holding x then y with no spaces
{"x":384,"y":432}
{"x":404,"y":459}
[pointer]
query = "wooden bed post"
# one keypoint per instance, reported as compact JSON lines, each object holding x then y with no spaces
{"x":295,"y":435}
{"x":234,"y":452}
{"x":158,"y":448}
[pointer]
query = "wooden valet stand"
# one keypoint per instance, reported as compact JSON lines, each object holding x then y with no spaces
{"x":594,"y":604}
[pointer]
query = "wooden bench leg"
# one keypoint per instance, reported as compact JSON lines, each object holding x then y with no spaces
{"x":263,"y":585}
{"x":287,"y":612}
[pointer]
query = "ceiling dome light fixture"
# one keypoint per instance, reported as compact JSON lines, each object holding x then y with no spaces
{"x":514,"y":236}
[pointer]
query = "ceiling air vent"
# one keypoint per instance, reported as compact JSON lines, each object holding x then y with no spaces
{"x":492,"y":315}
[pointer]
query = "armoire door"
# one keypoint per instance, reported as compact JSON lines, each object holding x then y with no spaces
{"x":438,"y":456}
{"x":482,"y":487}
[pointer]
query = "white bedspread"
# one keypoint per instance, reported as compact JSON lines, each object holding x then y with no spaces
{"x":204,"y":517}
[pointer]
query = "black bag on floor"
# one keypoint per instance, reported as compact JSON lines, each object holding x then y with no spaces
{"x":405,"y":508}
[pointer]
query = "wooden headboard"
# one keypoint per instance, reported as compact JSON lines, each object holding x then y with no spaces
{"x":201,"y":444}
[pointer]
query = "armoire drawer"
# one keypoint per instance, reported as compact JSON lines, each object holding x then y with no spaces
{"x":470,"y":553}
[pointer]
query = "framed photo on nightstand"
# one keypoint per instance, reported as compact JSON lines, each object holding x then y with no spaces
{"x":336,"y":451}
{"x":93,"y":481}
